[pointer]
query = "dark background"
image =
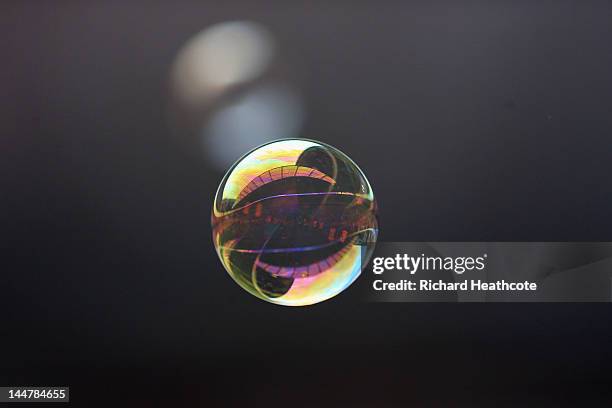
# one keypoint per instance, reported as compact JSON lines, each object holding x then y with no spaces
{"x":473,"y":121}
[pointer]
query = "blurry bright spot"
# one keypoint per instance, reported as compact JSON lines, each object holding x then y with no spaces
{"x":268,"y":112}
{"x":221,"y":56}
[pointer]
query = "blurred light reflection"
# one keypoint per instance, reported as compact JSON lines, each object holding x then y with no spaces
{"x":231,"y":93}
{"x":219,"y":57}
{"x":268,"y":112}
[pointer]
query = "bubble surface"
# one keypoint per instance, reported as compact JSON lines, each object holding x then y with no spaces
{"x":294,"y":222}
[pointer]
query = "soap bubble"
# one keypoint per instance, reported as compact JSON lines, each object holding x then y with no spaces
{"x":294,"y":222}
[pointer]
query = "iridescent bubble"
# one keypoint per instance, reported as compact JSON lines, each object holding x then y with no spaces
{"x":294,"y":222}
